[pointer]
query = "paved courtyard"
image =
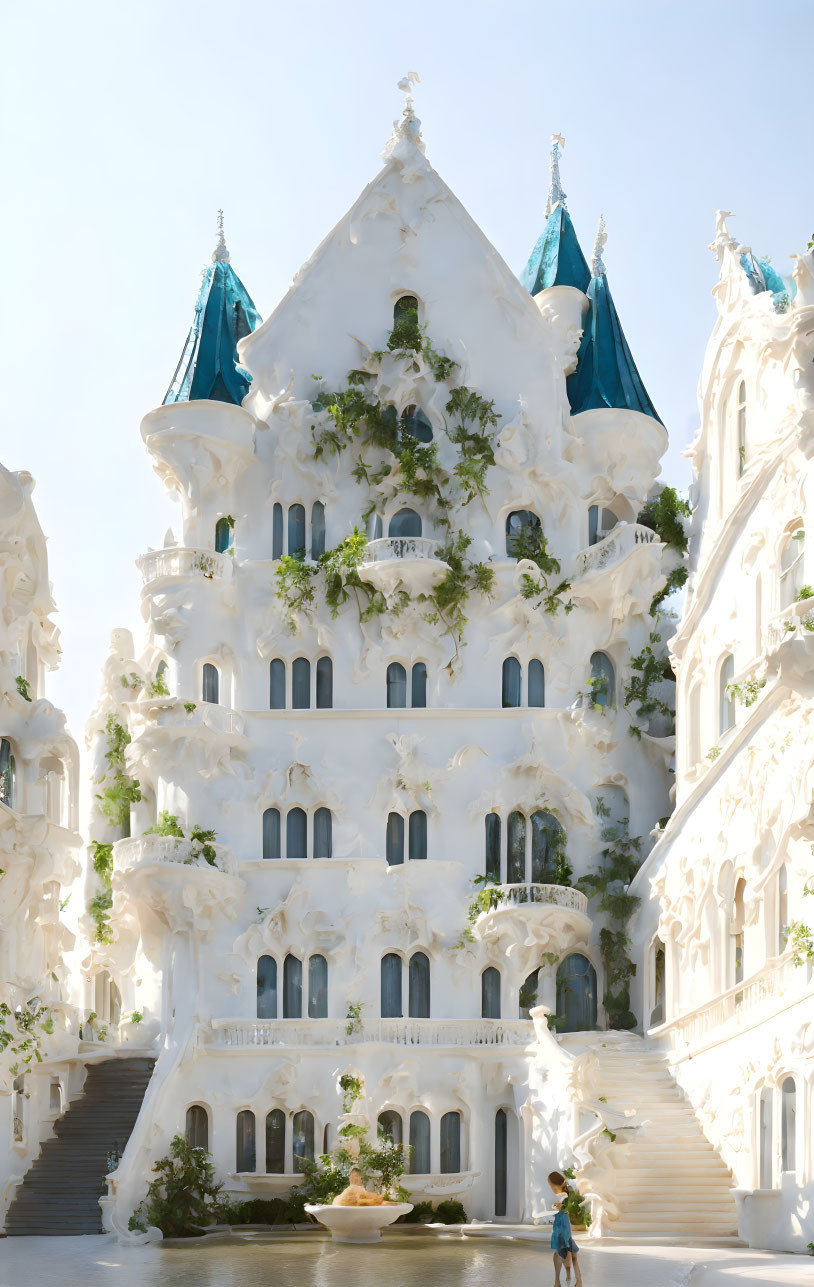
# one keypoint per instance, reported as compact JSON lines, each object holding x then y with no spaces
{"x":402,"y":1262}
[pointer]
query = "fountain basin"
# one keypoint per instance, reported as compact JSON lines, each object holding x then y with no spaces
{"x":357,"y":1224}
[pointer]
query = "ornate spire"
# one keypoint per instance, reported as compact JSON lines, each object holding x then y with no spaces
{"x":409,"y":127}
{"x":556,"y":196}
{"x":220,"y":254}
{"x":597,"y":264}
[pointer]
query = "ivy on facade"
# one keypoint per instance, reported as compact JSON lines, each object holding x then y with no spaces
{"x":663,"y":515}
{"x":609,"y":889}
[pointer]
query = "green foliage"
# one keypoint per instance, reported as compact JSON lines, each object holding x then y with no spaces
{"x":805,"y":592}
{"x":295,"y":585}
{"x":136,"y":1016}
{"x":21,"y":1029}
{"x":181,"y":1200}
{"x":663,"y":516}
{"x":575,"y":1206}
{"x":608,"y":887}
{"x":167,"y":825}
{"x":648,"y":668}
{"x":531,"y":543}
{"x":351,"y":1088}
{"x":158,"y":687}
{"x":713,"y":753}
{"x":99,"y":908}
{"x":132,"y":681}
{"x":189,"y":707}
{"x":800,"y":937}
{"x":202,"y":846}
{"x":23,"y":688}
{"x":747,"y":692}
{"x":272,"y":1211}
{"x":382,"y":1165}
{"x":450,"y":1212}
{"x":354,"y":1018}
{"x":488,"y":897}
{"x":406,"y":334}
{"x":115,"y":800}
{"x":102,"y":859}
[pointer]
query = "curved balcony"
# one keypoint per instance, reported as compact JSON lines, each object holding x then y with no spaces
{"x":260,"y":1034}
{"x":182,"y":562}
{"x":555,"y":916}
{"x":621,"y":541}
{"x":533,"y":895}
{"x":411,"y":561}
{"x":789,"y":644}
{"x":150,"y":851}
{"x":170,"y":713}
{"x":624,"y":568}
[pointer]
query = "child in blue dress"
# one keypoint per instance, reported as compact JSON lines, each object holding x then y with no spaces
{"x":562,"y":1244}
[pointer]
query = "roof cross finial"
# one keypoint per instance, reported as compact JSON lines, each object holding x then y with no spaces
{"x":597,"y":264}
{"x":556,"y":196}
{"x":220,"y":254}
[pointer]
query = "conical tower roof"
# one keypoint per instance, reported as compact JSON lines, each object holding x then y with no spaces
{"x":557,"y":258}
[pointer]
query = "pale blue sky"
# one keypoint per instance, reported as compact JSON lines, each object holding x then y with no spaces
{"x":125,"y":126}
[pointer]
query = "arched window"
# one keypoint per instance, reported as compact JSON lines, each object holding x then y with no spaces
{"x":303,"y":1138}
{"x":391,"y":969}
{"x":317,"y":988}
{"x":277,"y":685}
{"x":405,"y":310}
{"x":394,"y":843}
{"x":516,"y":856}
{"x":246,"y":1159}
{"x":782,"y":908}
{"x":267,"y":988}
{"x":420,"y":1158}
{"x":657,"y":1014}
{"x":301,"y":684}
{"x":766,"y":1143}
{"x":450,"y":1143}
{"x":271,"y":833}
{"x":512,"y":683}
{"x":792,"y":566}
{"x":788,"y":1125}
{"x":375,"y":527}
{"x":405,"y":523}
{"x":296,"y":834}
{"x":325,"y":683}
{"x":396,"y":686}
{"x":277,"y":531}
{"x":317,"y":530}
{"x":418,"y":698}
{"x":726,"y":706}
{"x":493,"y":846}
{"x":275,"y":1142}
{"x":738,"y":920}
{"x":546,"y":847}
{"x":576,"y":994}
{"x":223,"y":535}
{"x":296,"y":530}
{"x":197,"y":1127}
{"x":603,"y":680}
{"x":523,"y":534}
{"x":419,"y":975}
{"x":390,"y":1126}
{"x":740,"y":419}
{"x":7,"y":774}
{"x":415,"y":424}
{"x":161,"y":675}
{"x":323,"y":840}
{"x":292,"y":987}
{"x":417,"y":844}
{"x":600,"y":523}
{"x":210,"y":687}
{"x":490,"y":993}
{"x":536,"y":683}
{"x":501,"y":1159}
{"x":527,"y":997}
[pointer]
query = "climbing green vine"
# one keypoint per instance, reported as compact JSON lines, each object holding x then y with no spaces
{"x":609,"y":887}
{"x":21,"y":1031}
{"x":747,"y":692}
{"x":123,"y":790}
{"x":201,"y":840}
{"x":799,"y":936}
{"x":663,"y":516}
{"x":23,"y":688}
{"x":649,"y":669}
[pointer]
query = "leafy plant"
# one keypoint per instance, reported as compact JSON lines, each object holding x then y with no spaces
{"x":205,"y":847}
{"x":115,"y":800}
{"x":167,"y":825}
{"x":575,"y":1206}
{"x":530,"y":543}
{"x":181,"y":1200}
{"x":800,"y":937}
{"x":99,"y":908}
{"x":609,"y":888}
{"x":354,"y":1018}
{"x":663,"y":516}
{"x":23,"y":688}
{"x":189,"y":707}
{"x":158,"y":687}
{"x":713,"y":753}
{"x":21,"y":1031}
{"x":450,"y":1212}
{"x":488,"y":897}
{"x":136,"y":1016}
{"x":132,"y":681}
{"x":747,"y":692}
{"x":351,"y":1088}
{"x":648,"y":670}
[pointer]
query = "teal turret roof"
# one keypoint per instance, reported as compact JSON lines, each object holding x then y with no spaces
{"x":606,"y":375}
{"x":557,"y":258}
{"x":224,"y":314}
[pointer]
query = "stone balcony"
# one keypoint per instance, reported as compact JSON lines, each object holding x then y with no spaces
{"x":183,"y":562}
{"x":172,"y":880}
{"x":260,"y":1034}
{"x":789,"y":644}
{"x":149,"y":851}
{"x":171,"y":714}
{"x":621,"y":541}
{"x":624,"y":569}
{"x":554,"y":916}
{"x":411,"y":561}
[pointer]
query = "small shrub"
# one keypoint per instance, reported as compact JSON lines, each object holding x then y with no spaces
{"x":450,"y":1212}
{"x":181,"y":1200}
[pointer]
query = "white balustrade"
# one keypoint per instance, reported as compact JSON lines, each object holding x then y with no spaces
{"x":144,"y":851}
{"x":390,"y":548}
{"x":739,"y":1005}
{"x":180,"y":561}
{"x":247,"y":1033}
{"x":621,"y":541}
{"x":794,"y":622}
{"x":541,"y":895}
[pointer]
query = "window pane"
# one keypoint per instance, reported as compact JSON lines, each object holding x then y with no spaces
{"x":788,"y":1125}
{"x":296,"y":834}
{"x":416,"y":424}
{"x":576,"y":994}
{"x":528,"y":995}
{"x":593,"y":524}
{"x":523,"y":532}
{"x":301,"y":684}
{"x":450,"y":1143}
{"x":512,"y":682}
{"x":277,"y":685}
{"x":292,"y":988}
{"x":493,"y":846}
{"x":197,"y":1127}
{"x":271,"y":833}
{"x":389,"y":1125}
{"x":277,"y":532}
{"x":395,"y":839}
{"x":766,"y":1133}
{"x":536,"y":683}
{"x":490,"y":993}
{"x":317,"y":530}
{"x":501,"y":1151}
{"x":323,"y":843}
{"x":325,"y":683}
{"x":296,"y":529}
{"x":726,"y":717}
{"x":391,"y":986}
{"x":267,"y":988}
{"x":223,"y":535}
{"x":405,"y":523}
{"x":420,"y":1158}
{"x":317,"y":988}
{"x":419,"y":693}
{"x":418,"y":836}
{"x":396,"y":685}
{"x":604,"y":677}
{"x":303,"y":1142}
{"x":419,"y":986}
{"x":6,"y":773}
{"x":545,"y":844}
{"x":275,"y":1142}
{"x":209,"y":692}
{"x":246,"y":1159}
{"x":516,"y":858}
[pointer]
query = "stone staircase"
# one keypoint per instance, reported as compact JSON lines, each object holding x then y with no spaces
{"x":61,"y":1190}
{"x":668,"y":1181}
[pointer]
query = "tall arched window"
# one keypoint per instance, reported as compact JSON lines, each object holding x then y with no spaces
{"x":501,"y":1159}
{"x":600,"y":523}
{"x":317,"y":530}
{"x":576,"y":994}
{"x":782,"y":908}
{"x":246,"y":1159}
{"x":788,"y":1125}
{"x":292,"y":987}
{"x":271,"y":833}
{"x":275,"y":1142}
{"x":296,"y":530}
{"x":161,"y":674}
{"x":277,"y":685}
{"x":394,"y":841}
{"x":450,"y":1143}
{"x":317,"y":988}
{"x":527,"y":997}
{"x":418,"y":696}
{"x":391,"y":970}
{"x":389,"y":1125}
{"x":197,"y":1127}
{"x":417,"y":836}
{"x":546,"y":846}
{"x":323,"y":839}
{"x":302,"y":1138}
{"x":523,"y":534}
{"x":490,"y":993}
{"x":277,"y":532}
{"x":516,"y":855}
{"x":492,"y":823}
{"x":325,"y":683}
{"x":726,"y":706}
{"x":301,"y":684}
{"x":738,"y":922}
{"x":267,"y":988}
{"x":740,"y":422}
{"x":296,"y":834}
{"x":7,"y":774}
{"x":416,"y":424}
{"x":419,"y":975}
{"x":512,"y":683}
{"x":766,"y":1142}
{"x":210,"y":684}
{"x":396,"y":686}
{"x":536,"y":684}
{"x":658,"y":1013}
{"x":223,"y":535}
{"x":420,"y":1157}
{"x":792,"y":566}
{"x":405,"y":311}
{"x":603,"y":680}
{"x":405,"y":523}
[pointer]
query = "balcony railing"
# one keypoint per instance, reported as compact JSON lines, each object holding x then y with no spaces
{"x":740,"y":1005}
{"x":145,"y":851}
{"x":249,"y":1033}
{"x":172,"y":714}
{"x":183,"y":562}
{"x":389,"y":548}
{"x":794,"y":622}
{"x":542,"y":895}
{"x":621,"y":541}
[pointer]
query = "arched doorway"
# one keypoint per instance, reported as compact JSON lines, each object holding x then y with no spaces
{"x":576,"y":994}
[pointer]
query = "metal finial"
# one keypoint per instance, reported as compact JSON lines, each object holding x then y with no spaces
{"x":597,"y":266}
{"x":220,"y":255}
{"x":556,"y":196}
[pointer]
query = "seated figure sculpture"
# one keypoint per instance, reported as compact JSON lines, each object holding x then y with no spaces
{"x":356,"y":1195}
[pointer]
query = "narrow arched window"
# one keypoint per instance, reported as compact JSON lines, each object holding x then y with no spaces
{"x":450,"y":1143}
{"x":501,"y":1161}
{"x":740,"y":414}
{"x":277,"y":532}
{"x":223,"y":535}
{"x":576,"y":994}
{"x":197,"y":1127}
{"x":657,"y":1014}
{"x":419,"y":986}
{"x":277,"y":685}
{"x":302,"y":1138}
{"x":593,"y":524}
{"x":512,"y":682}
{"x":267,"y":988}
{"x":726,"y":706}
{"x":210,"y":684}
{"x":792,"y":566}
{"x":246,"y":1159}
{"x":766,"y":1141}
{"x":738,"y":924}
{"x":292,"y":987}
{"x":603,"y":680}
{"x":389,"y":1126}
{"x":375,"y":527}
{"x":405,"y":523}
{"x":296,"y":834}
{"x":417,"y":840}
{"x":418,"y":698}
{"x":524,"y":533}
{"x":275,"y":1142}
{"x":394,"y":842}
{"x":493,"y":846}
{"x":301,"y":684}
{"x":546,"y":848}
{"x":161,"y":676}
{"x":415,"y":424}
{"x":490,"y":993}
{"x":536,"y":683}
{"x":325,"y":683}
{"x":405,"y":311}
{"x":420,"y":1157}
{"x":391,"y":971}
{"x":323,"y":838}
{"x":296,"y":530}
{"x":396,"y":686}
{"x":271,"y":833}
{"x":7,"y":774}
{"x":317,"y":530}
{"x":788,"y":1125}
{"x":516,"y":855}
{"x":527,"y":996}
{"x":782,"y":908}
{"x":317,"y":988}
